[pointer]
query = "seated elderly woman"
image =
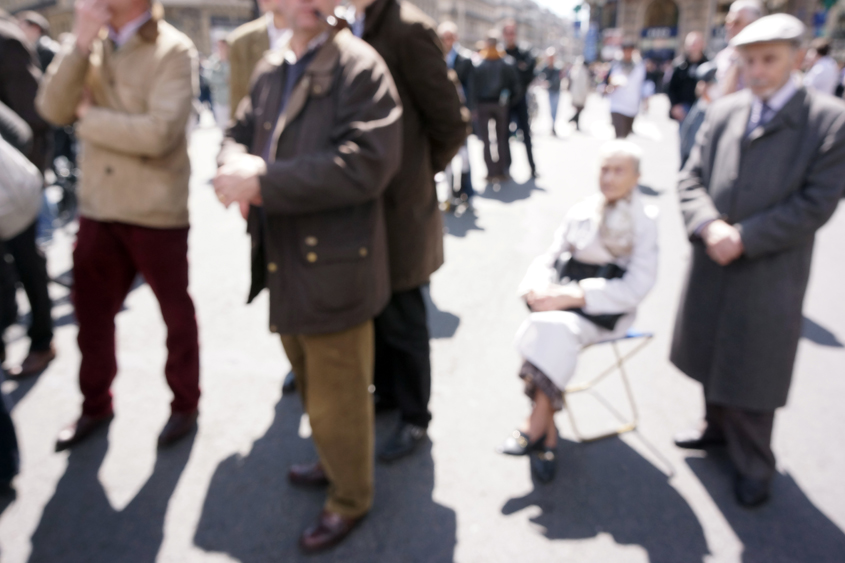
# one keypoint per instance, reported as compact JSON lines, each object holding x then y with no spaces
{"x":583,"y":290}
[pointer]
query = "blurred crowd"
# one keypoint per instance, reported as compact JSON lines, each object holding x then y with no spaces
{"x":336,"y":121}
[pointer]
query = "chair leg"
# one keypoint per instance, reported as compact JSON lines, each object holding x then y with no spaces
{"x":627,"y":425}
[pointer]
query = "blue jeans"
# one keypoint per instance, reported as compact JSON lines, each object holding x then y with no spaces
{"x":554,"y":100}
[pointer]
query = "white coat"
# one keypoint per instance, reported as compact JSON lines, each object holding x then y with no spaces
{"x":551,"y":340}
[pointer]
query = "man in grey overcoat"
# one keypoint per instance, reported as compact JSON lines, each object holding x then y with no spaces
{"x":767,"y":172}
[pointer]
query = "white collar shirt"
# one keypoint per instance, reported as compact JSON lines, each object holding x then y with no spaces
{"x":278,"y":36}
{"x":773,"y":105}
{"x":120,"y":38}
{"x":823,"y":77}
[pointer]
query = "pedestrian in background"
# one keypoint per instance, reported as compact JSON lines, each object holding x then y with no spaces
{"x":681,"y":87}
{"x":624,"y":86}
{"x":248,"y":43}
{"x":822,"y":73}
{"x":20,"y":200}
{"x":37,"y":30}
{"x":19,"y":78}
{"x":131,"y":95}
{"x":435,"y":126}
{"x":584,"y":289}
{"x":728,"y":75}
{"x":313,"y":148}
{"x":217,"y":74}
{"x":552,"y":75}
{"x":579,"y":89}
{"x":526,"y":63}
{"x":459,"y":60}
{"x":766,"y":174}
{"x":705,"y":91}
{"x":496,"y":86}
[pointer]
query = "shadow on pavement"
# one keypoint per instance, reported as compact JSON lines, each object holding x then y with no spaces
{"x":510,"y":191}
{"x":815,"y":332}
{"x":441,"y":324}
{"x":787,"y":529}
{"x":79,"y":523}
{"x":460,"y":226}
{"x":255,"y":516}
{"x":607,"y":487}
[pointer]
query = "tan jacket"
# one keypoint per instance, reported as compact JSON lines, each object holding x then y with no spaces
{"x":135,"y":166}
{"x":322,"y":248}
{"x":247,"y":44}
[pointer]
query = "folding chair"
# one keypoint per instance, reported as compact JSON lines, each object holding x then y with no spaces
{"x":627,"y":425}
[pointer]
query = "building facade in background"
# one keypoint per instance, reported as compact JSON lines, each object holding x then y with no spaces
{"x":205,"y":21}
{"x":661,"y":25}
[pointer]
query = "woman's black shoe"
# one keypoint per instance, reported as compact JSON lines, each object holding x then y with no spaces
{"x":519,"y":443}
{"x":543,"y":464}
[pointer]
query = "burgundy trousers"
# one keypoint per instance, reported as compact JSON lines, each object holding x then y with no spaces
{"x":106,"y":259}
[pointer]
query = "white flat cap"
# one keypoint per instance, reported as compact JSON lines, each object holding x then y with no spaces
{"x":777,"y":27}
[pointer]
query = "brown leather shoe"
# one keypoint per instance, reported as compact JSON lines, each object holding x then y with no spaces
{"x":81,"y":429}
{"x":329,"y":530}
{"x":178,"y":426}
{"x":308,"y":475}
{"x":35,"y":363}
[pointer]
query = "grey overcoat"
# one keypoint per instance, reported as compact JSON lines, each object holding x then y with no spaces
{"x":738,"y":326}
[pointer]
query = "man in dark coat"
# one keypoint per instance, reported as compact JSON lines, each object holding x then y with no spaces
{"x":459,"y":60}
{"x":526,"y":65}
{"x":766,"y":173}
{"x":681,"y":88}
{"x":313,"y":148}
{"x":435,"y":125}
{"x":19,"y":78}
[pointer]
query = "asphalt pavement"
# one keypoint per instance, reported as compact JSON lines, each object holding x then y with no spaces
{"x":222,"y":495}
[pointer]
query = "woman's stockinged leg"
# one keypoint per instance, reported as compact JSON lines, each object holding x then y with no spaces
{"x":541,"y":421}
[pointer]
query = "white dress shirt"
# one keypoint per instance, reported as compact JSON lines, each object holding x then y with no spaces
{"x":126,"y":32}
{"x":278,"y":36}
{"x":823,"y":77}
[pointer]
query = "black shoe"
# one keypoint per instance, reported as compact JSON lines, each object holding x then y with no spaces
{"x":519,"y":443}
{"x":289,"y":386}
{"x":751,"y":492}
{"x":698,"y":440}
{"x":543,"y":464}
{"x":534,"y":174}
{"x":402,"y":443}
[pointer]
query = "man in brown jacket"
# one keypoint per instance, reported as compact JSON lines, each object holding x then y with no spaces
{"x":247,"y":44}
{"x":130,"y":95}
{"x":435,"y":125}
{"x":312,"y":149}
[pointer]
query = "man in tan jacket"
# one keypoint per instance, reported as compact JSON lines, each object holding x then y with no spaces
{"x":127,"y":81}
{"x":248,"y":43}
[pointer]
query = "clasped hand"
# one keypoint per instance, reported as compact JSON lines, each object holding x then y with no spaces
{"x":556,"y":298}
{"x":724,"y":243}
{"x":237,"y":182}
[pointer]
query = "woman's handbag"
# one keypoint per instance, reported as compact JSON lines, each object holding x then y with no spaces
{"x":574,"y":271}
{"x":20,"y":191}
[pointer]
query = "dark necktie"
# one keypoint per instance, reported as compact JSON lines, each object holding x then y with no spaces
{"x":765,"y":115}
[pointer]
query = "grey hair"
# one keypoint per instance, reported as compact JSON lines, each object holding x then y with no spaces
{"x":622,"y":148}
{"x":448,"y":27}
{"x":752,"y":7}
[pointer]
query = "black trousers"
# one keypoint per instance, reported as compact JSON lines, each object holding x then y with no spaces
{"x":748,"y":437}
{"x":519,"y":115}
{"x":31,"y":267}
{"x":403,"y":357}
{"x":9,"y":456}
